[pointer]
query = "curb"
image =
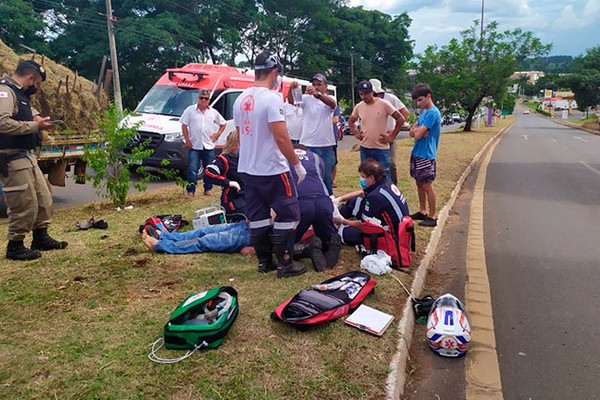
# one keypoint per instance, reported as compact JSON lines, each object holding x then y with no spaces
{"x":575,"y":126}
{"x":397,"y":377}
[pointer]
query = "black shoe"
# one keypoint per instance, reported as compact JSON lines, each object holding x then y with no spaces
{"x":429,"y":222}
{"x":43,"y":241}
{"x":292,"y":269}
{"x":418,"y":216}
{"x":315,"y":253}
{"x":17,"y":251}
{"x":265,"y":268}
{"x":331,"y":250}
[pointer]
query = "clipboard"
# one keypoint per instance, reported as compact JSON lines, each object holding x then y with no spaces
{"x":370,"y":320}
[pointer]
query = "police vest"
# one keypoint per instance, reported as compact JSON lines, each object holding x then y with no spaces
{"x":25,"y":142}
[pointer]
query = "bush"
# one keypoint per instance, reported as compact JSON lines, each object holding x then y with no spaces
{"x":112,"y":163}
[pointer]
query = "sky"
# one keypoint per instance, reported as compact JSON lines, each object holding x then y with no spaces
{"x":571,"y":25}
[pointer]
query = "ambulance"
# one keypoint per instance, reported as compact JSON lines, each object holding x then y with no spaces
{"x":159,"y":111}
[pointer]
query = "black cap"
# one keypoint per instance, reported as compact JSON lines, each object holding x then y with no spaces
{"x":364,"y":86}
{"x":32,"y":65}
{"x":319,"y":77}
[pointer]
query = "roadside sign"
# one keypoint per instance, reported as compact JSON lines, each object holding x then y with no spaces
{"x":498,"y":112}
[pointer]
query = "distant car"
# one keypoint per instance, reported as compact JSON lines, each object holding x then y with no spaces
{"x":405,"y":127}
{"x":447,"y":120}
{"x":456,"y":118}
{"x":526,"y":111}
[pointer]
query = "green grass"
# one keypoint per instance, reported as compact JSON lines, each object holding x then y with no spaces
{"x":78,"y":323}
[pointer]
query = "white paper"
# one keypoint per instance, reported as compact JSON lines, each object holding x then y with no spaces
{"x":370,"y":319}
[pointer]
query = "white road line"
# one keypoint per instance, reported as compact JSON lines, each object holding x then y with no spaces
{"x":526,"y":137}
{"x":580,"y":138}
{"x":588,"y":166}
{"x":554,"y":140}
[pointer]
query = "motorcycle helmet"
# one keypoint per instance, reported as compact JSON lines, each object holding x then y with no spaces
{"x":448,"y":328}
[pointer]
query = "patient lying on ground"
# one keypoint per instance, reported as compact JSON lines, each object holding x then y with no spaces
{"x":223,"y":238}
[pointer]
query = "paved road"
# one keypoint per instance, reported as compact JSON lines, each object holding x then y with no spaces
{"x":542,"y":250}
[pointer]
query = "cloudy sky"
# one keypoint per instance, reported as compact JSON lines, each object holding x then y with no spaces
{"x":571,"y":25}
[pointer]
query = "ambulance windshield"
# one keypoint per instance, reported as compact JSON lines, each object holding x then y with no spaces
{"x":167,"y":100}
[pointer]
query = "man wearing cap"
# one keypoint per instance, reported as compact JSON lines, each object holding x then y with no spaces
{"x":374,"y":136}
{"x":398,"y":105}
{"x":264,"y":148}
{"x":197,"y":124}
{"x":317,"y":107}
{"x":26,"y":192}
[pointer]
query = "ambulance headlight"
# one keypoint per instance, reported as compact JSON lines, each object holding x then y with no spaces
{"x":174,"y":137}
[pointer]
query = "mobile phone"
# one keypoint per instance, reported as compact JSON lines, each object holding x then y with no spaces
{"x":57,"y":122}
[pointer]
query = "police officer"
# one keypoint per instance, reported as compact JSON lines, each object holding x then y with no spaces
{"x":26,"y":192}
{"x":264,"y":148}
{"x":383,"y":204}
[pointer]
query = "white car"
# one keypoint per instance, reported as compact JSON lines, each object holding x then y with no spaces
{"x":526,"y":111}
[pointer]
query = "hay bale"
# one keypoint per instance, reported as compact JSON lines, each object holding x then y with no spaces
{"x":75,"y":103}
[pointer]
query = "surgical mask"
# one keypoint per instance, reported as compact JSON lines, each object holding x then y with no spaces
{"x":363,"y":183}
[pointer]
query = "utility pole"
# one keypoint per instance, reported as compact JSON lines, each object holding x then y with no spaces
{"x":352,"y":77}
{"x":113,"y":58}
{"x":481,"y":34}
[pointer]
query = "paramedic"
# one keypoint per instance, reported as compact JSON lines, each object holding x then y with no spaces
{"x":264,"y":147}
{"x":383,"y":204}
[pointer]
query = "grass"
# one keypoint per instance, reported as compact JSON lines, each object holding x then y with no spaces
{"x":77,"y":324}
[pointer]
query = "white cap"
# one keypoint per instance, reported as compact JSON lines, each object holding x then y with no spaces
{"x":376,"y":85}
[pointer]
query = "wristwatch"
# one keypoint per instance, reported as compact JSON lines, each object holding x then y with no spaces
{"x":319,"y":94}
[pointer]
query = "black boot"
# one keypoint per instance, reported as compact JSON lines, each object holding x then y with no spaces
{"x":331,"y":250}
{"x":313,"y":251}
{"x":43,"y":241}
{"x":17,"y":251}
{"x":283,"y":245}
{"x":264,"y":252}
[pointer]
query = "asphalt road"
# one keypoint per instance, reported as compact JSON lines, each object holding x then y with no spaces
{"x":541,"y":236}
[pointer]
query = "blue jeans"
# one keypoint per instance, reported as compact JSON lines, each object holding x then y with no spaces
{"x":328,"y":156}
{"x":383,"y":156}
{"x":223,"y":238}
{"x":194,"y":159}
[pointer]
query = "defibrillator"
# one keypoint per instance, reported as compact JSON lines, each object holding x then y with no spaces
{"x":211,"y":215}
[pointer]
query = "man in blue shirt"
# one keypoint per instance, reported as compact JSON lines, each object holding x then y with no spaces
{"x":422,"y":159}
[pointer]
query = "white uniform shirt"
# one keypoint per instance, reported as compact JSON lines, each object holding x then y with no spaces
{"x":253,"y":110}
{"x":293,"y":120}
{"x":201,"y":125}
{"x":317,"y":122}
{"x":398,"y":105}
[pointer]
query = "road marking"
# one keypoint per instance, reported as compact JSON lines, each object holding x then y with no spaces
{"x":588,"y":166}
{"x":580,"y":138}
{"x":482,"y":371}
{"x":526,"y":137}
{"x":554,"y":140}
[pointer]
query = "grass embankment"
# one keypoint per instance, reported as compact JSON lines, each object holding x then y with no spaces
{"x":77,"y":324}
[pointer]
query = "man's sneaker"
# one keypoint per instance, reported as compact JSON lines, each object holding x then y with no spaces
{"x":428,"y":222}
{"x":419,"y":216}
{"x":17,"y":251}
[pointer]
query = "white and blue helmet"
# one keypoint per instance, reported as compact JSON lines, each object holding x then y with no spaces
{"x":448,"y":328}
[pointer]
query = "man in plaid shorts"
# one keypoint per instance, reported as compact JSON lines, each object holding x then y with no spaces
{"x":422,"y":158}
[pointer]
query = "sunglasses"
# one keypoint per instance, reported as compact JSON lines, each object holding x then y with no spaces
{"x":203,"y":98}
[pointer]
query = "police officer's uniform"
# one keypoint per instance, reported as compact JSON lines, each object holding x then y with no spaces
{"x":26,"y":191}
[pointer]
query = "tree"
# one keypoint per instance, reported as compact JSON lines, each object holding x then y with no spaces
{"x":113,"y":162}
{"x":467,"y":71}
{"x":20,"y":24}
{"x":585,"y":80}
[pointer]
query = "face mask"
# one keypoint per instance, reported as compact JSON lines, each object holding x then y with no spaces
{"x":30,"y":91}
{"x":276,"y":83}
{"x":363,"y":183}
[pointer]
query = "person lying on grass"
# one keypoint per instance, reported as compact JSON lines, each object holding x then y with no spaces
{"x":222,"y":238}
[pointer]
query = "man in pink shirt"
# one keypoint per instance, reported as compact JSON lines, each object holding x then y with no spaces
{"x":374,"y":137}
